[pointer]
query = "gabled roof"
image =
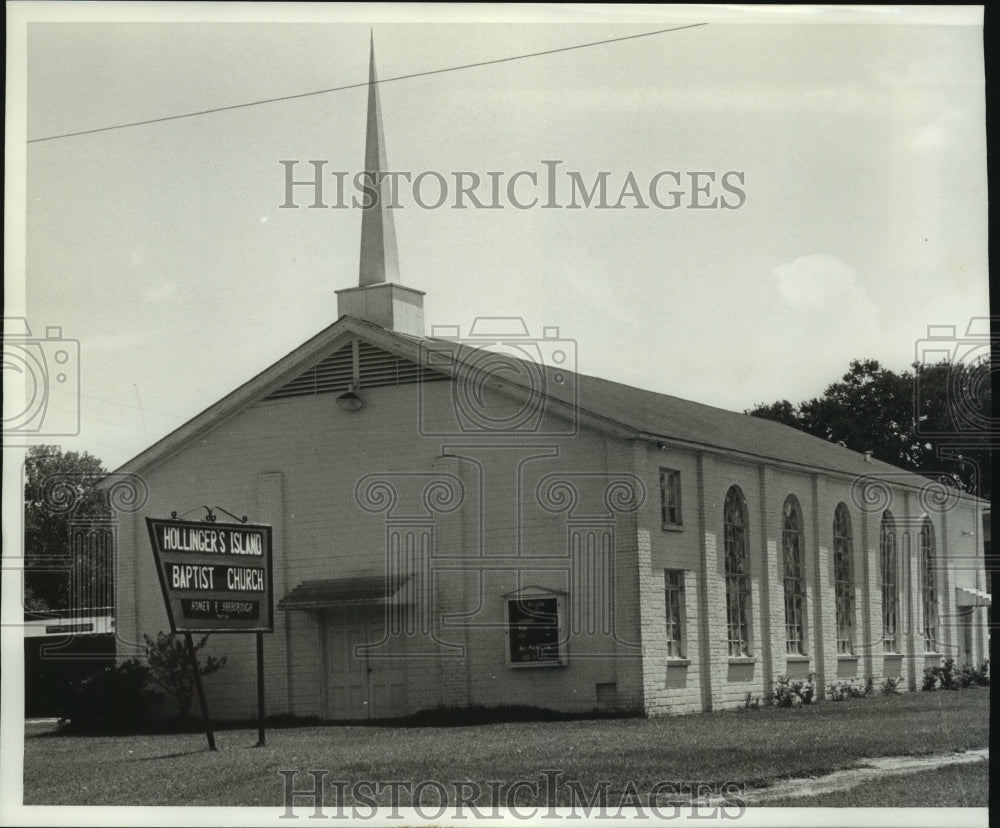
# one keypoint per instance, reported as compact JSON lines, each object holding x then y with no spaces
{"x":611,"y":407}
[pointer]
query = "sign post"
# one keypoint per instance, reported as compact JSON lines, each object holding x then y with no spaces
{"x":216,"y":577}
{"x":260,"y":690}
{"x":201,"y":692}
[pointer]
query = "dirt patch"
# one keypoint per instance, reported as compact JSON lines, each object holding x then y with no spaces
{"x":870,"y":769}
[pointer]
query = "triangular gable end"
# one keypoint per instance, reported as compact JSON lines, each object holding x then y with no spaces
{"x":381,"y":368}
{"x":375,"y":368}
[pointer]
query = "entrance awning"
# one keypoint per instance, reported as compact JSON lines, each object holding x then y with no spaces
{"x":342,"y":592}
{"x":967,"y":597}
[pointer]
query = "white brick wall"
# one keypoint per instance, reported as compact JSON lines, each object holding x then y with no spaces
{"x":295,"y":464}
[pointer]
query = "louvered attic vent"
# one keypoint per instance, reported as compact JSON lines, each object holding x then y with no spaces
{"x":377,"y":368}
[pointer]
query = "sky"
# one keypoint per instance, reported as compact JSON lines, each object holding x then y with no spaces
{"x":857,"y":139}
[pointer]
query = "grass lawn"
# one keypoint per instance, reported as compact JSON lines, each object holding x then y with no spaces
{"x":746,"y":747}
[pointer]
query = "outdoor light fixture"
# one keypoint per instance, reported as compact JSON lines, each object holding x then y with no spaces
{"x":350,"y":401}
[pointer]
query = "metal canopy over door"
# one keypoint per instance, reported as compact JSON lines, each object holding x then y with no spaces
{"x":363,"y":682}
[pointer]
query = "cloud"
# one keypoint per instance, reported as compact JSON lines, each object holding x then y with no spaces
{"x":952,"y":128}
{"x":822,"y":319}
{"x":820,"y":283}
{"x":160,"y":292}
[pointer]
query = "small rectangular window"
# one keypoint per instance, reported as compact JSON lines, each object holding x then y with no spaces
{"x":535,"y":632}
{"x":673,"y":581}
{"x":670,"y":497}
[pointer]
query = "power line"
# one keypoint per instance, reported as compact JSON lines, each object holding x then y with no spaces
{"x":358,"y":85}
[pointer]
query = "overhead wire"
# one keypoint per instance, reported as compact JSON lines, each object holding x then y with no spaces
{"x":263,"y":101}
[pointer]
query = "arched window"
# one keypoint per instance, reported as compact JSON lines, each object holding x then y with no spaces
{"x":887,"y":547}
{"x":843,"y":584}
{"x":927,"y":579}
{"x":791,"y":564}
{"x":737,"y":573}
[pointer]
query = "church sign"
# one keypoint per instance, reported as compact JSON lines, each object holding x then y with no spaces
{"x":534,"y":632}
{"x":215,"y":577}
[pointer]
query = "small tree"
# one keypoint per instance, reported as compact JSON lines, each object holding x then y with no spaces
{"x":170,"y":667}
{"x":58,"y":490}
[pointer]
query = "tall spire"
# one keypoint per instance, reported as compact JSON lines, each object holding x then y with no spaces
{"x":379,"y":260}
{"x":379,"y":298}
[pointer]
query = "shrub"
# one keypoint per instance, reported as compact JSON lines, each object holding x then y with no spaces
{"x":969,"y":676}
{"x":946,"y":677}
{"x":941,"y":677}
{"x":890,"y":687}
{"x":851,"y":690}
{"x":170,"y":667}
{"x":794,"y":692}
{"x":751,"y":702}
{"x":115,"y":700}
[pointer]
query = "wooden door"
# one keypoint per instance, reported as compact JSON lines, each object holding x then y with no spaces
{"x":365,"y":676}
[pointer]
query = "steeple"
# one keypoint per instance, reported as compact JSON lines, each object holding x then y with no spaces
{"x":379,"y":297}
{"x":379,"y":260}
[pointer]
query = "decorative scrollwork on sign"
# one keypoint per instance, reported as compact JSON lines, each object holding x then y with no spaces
{"x":605,"y":494}
{"x":444,"y":493}
{"x":127,"y":492}
{"x":375,"y":493}
{"x":62,"y":493}
{"x":556,"y":494}
{"x":938,"y":496}
{"x":871,"y":495}
{"x":624,"y":494}
{"x":410,"y":495}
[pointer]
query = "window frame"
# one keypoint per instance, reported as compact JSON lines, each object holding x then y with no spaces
{"x":673,"y":475}
{"x":843,"y":578}
{"x":793,"y":576}
{"x":928,"y":587}
{"x":889,"y":565}
{"x":739,"y":624}
{"x":676,"y":644}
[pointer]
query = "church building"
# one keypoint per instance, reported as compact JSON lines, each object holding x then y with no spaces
{"x":463,"y":519}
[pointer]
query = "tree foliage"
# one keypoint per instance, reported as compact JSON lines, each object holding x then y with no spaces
{"x":170,"y":667}
{"x":59,"y":495}
{"x":932,"y":420}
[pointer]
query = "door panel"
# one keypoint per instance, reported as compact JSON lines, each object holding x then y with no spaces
{"x":347,"y":682}
{"x":368,"y":683}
